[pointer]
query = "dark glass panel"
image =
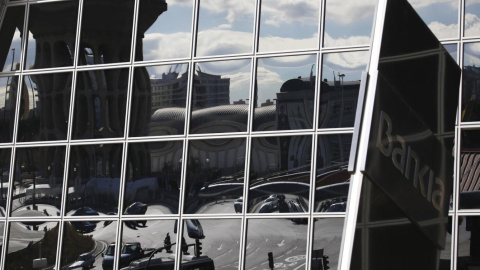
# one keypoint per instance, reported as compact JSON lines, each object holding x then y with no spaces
{"x":220,"y":97}
{"x":280,"y":174}
{"x":164,"y":33}
{"x":469,"y":186}
{"x":100,"y":104}
{"x":230,"y":25}
{"x":8,"y":99}
{"x":468,"y":250}
{"x":219,"y":242}
{"x":5,"y":156}
{"x":471,"y":82}
{"x":472,"y":20}
{"x":159,"y":100}
{"x":215,"y":176}
{"x":327,"y":238}
{"x":441,"y":16}
{"x":341,"y":74}
{"x":348,"y":24}
{"x":94,"y":179}
{"x":32,"y":243}
{"x":88,"y":244}
{"x":140,"y":242}
{"x":153,"y":178}
{"x":286,"y":241}
{"x":11,"y":36}
{"x":283,"y":103}
{"x":51,"y":35}
{"x":106,"y":35}
{"x":38,"y":181}
{"x":332,"y":179}
{"x":288,"y":25}
{"x":45,"y":107}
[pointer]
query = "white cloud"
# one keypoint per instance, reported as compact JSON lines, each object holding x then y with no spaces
{"x":278,"y":12}
{"x":345,"y":41}
{"x":233,"y":9}
{"x":472,"y":25}
{"x":472,"y":54}
{"x":271,"y":43}
{"x":344,"y":62}
{"x":349,"y":11}
{"x":225,"y":42}
{"x":443,"y":31}
{"x":265,"y":76}
{"x":471,"y":2}
{"x":166,"y":46}
{"x":418,"y":4}
{"x":179,"y":2}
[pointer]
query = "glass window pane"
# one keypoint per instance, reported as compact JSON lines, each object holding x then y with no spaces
{"x":472,"y":14}
{"x":11,"y":38}
{"x":94,"y":179}
{"x":281,"y":102}
{"x":88,"y":244}
{"x":286,"y":241}
{"x":28,"y":241}
{"x":45,"y":107}
{"x":153,"y":178}
{"x":8,"y":99}
{"x":452,"y":49}
{"x":288,"y":25}
{"x":159,"y":100}
{"x":52,"y":30}
{"x":280,"y":174}
{"x":332,"y":178}
{"x":441,"y":16}
{"x":327,"y":238}
{"x":470,"y":82}
{"x":348,"y":23}
{"x":341,"y":74}
{"x":38,"y":179}
{"x":106,"y":35}
{"x":229,"y":24}
{"x":164,"y":33}
{"x":468,"y":253}
{"x":5,"y":156}
{"x":100,"y":104}
{"x":220,"y":97}
{"x":215,"y":176}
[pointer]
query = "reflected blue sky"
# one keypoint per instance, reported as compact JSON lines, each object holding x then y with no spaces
{"x":440,"y":15}
{"x":352,"y":64}
{"x":472,"y":20}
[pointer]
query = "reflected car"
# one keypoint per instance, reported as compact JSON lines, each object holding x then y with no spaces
{"x":137,"y":208}
{"x":108,"y":256}
{"x":85,"y":211}
{"x":83,"y":226}
{"x":194,"y":228}
{"x":188,"y":263}
{"x":337,"y":207}
{"x":238,"y":204}
{"x":84,"y":261}
{"x":130,"y":252}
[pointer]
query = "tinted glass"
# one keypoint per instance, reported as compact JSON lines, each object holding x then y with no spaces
{"x":280,"y":174}
{"x":327,"y":238}
{"x":163,"y":30}
{"x":288,"y":25}
{"x":284,"y":95}
{"x":106,"y":35}
{"x":332,"y":179}
{"x":470,"y":80}
{"x":441,"y":16}
{"x":39,"y":174}
{"x":45,"y":107}
{"x":230,"y":24}
{"x":87,"y":244}
{"x":11,"y":38}
{"x":159,"y":100}
{"x":453,"y":50}
{"x":341,"y":74}
{"x":94,"y":179}
{"x":26,"y":242}
{"x":215,"y":176}
{"x":100,"y":104}
{"x":468,"y":253}
{"x":472,"y":14}
{"x":220,"y":97}
{"x":348,"y":23}
{"x":153,"y":178}
{"x":286,"y":241}
{"x":51,"y":35}
{"x":8,"y":99}
{"x":4,"y":174}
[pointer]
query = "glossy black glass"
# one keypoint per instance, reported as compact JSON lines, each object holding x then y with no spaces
{"x":469,"y":186}
{"x":11,"y":38}
{"x":470,"y":83}
{"x":5,"y":156}
{"x":440,"y":16}
{"x":468,"y":252}
{"x":8,"y":100}
{"x":327,"y":238}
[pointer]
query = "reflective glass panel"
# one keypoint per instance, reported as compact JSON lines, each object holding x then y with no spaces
{"x":153,"y":178}
{"x":45,"y":107}
{"x":327,"y":238}
{"x":468,"y":251}
{"x":229,"y":24}
{"x":215,"y":176}
{"x":88,"y":244}
{"x":11,"y":38}
{"x":8,"y":99}
{"x":286,"y":241}
{"x":4,"y":181}
{"x":285,"y":93}
{"x":441,"y":16}
{"x":341,"y":74}
{"x":217,"y":241}
{"x":469,"y":186}
{"x":332,"y":178}
{"x":288,"y":25}
{"x":452,"y":49}
{"x":38,"y":181}
{"x":159,"y":100}
{"x":32,"y":243}
{"x":164,"y":32}
{"x":470,"y":82}
{"x":446,"y":254}
{"x":472,"y":20}
{"x":94,"y":179}
{"x":280,"y":174}
{"x":52,"y":30}
{"x":100,"y":104}
{"x":348,"y":23}
{"x":106,"y":35}
{"x":220,"y":97}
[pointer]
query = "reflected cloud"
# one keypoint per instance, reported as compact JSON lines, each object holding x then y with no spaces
{"x":352,"y":61}
{"x":166,"y":46}
{"x":472,"y":54}
{"x":345,"y":41}
{"x":285,"y":12}
{"x":349,"y":11}
{"x":472,"y":25}
{"x":226,"y":42}
{"x":417,"y":4}
{"x":234,"y":9}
